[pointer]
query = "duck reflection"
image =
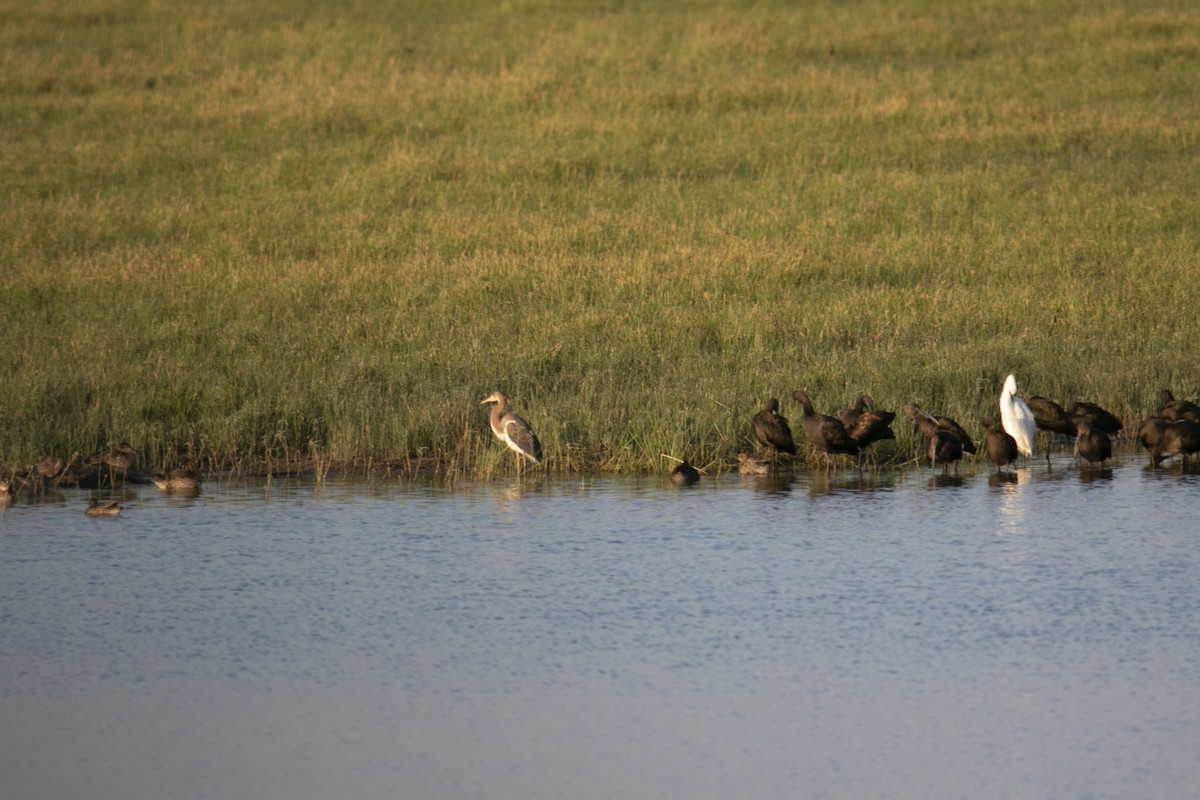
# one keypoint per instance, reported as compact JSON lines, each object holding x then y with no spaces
{"x":771,"y":483}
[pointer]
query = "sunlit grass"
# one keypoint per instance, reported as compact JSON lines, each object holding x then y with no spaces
{"x":254,"y":229}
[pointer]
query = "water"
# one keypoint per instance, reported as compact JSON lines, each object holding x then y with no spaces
{"x":892,"y":636}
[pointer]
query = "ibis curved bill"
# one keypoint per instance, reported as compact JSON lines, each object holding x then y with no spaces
{"x":512,"y":430}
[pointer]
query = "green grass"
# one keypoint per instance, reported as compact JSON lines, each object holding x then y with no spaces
{"x":253,"y":229}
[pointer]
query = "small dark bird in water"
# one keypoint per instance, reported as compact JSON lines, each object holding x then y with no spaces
{"x":180,"y":480}
{"x":1181,"y":438}
{"x":685,"y":474}
{"x":999,"y":445}
{"x":1091,"y":444}
{"x":1174,"y":410}
{"x":753,"y":465}
{"x":1150,"y":435}
{"x":826,"y":434}
{"x":772,"y":430}
{"x":928,"y":424}
{"x":109,"y":508}
{"x":1095,"y":416}
{"x":945,"y":448}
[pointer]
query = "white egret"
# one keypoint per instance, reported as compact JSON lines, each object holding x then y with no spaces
{"x":1017,"y":418}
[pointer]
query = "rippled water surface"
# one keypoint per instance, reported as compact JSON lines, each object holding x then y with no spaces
{"x":893,"y":636}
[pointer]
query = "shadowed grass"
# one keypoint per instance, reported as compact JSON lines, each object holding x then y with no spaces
{"x":287,"y":229}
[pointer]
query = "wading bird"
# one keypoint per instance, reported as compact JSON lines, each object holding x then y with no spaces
{"x":825,"y":433}
{"x":999,"y":446}
{"x":6,"y":495}
{"x":928,"y":424}
{"x":772,"y":430}
{"x":1095,"y":416}
{"x":849,"y":416}
{"x":1174,"y":410}
{"x":1049,"y":416}
{"x":1017,"y":418}
{"x":1150,"y":435}
{"x":1092,"y":444}
{"x":1181,"y":438}
{"x":945,"y":448}
{"x":869,"y":425}
{"x":512,"y":430}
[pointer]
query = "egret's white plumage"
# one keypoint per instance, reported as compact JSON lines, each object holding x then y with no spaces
{"x":512,"y":430}
{"x":1017,"y":418}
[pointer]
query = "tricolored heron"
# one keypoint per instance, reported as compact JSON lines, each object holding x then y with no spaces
{"x":512,"y":430}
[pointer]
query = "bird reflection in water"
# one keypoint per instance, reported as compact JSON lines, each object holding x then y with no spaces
{"x":1089,"y":475}
{"x":944,"y":480}
{"x":998,"y":479}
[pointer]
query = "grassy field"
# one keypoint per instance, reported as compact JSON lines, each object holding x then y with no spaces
{"x":327,"y":230}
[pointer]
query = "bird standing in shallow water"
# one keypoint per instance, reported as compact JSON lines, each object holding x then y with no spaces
{"x":772,"y":430}
{"x":999,"y":446}
{"x":1049,"y":416}
{"x":1180,"y":438}
{"x":1092,"y":444}
{"x":945,"y":448}
{"x":929,"y":424}
{"x":1017,"y":417}
{"x":1095,"y":416}
{"x":825,"y":433}
{"x":1174,"y":410}
{"x":512,"y":430}
{"x":1150,"y":435}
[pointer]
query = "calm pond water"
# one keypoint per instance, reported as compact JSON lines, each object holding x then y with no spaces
{"x":892,"y":636}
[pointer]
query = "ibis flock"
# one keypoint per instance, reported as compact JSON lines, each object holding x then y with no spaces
{"x":1173,"y":431}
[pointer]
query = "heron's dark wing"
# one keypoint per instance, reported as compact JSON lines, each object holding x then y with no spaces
{"x":520,"y":434}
